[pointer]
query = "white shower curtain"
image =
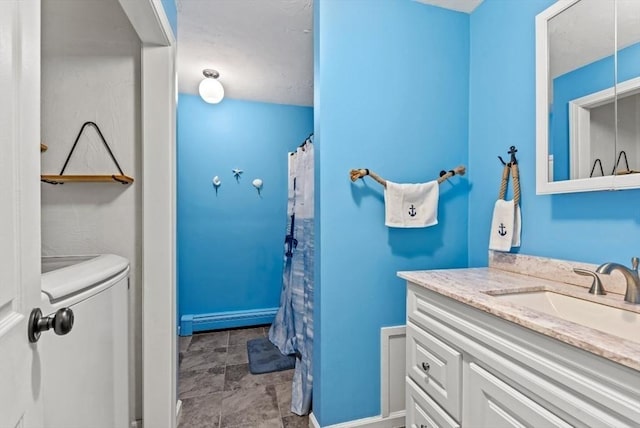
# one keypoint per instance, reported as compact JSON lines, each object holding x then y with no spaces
{"x":292,"y":329}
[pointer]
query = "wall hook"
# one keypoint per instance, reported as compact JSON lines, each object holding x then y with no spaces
{"x":512,"y":151}
{"x":257,"y":183}
{"x":216,"y":183}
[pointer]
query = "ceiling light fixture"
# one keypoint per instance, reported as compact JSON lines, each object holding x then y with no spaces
{"x":210,"y":88}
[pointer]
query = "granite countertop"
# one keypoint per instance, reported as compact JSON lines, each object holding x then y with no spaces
{"x":477,"y":287}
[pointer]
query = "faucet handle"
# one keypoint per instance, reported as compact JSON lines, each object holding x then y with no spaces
{"x":634,"y":263}
{"x":596,"y":285}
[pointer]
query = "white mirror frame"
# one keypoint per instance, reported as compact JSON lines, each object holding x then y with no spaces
{"x":543,"y":185}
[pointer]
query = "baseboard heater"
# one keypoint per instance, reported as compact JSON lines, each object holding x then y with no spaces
{"x":194,"y":323}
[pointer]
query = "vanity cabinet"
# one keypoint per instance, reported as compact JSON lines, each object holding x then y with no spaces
{"x":468,"y":368}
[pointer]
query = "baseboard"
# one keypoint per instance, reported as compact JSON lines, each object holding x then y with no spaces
{"x":178,"y":412}
{"x":394,"y":420}
{"x":138,"y":423}
{"x":392,"y":365}
{"x":190,"y":324}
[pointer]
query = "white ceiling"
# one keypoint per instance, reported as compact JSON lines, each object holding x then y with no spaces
{"x":70,"y":27}
{"x":263,"y":49}
{"x":460,"y":5}
{"x":585,"y":33}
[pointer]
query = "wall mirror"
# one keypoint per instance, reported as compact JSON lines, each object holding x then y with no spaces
{"x":588,"y":96}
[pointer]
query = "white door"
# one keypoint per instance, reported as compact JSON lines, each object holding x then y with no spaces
{"x":20,"y":363}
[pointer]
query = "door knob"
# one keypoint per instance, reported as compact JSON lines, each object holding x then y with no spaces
{"x":61,"y":322}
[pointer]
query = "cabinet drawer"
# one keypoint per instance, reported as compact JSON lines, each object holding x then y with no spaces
{"x":436,"y":368}
{"x":423,"y":412}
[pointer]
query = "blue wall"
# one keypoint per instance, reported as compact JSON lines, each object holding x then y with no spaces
{"x":230,"y":245}
{"x":171,"y":11}
{"x":408,"y":91}
{"x":391,"y":90}
{"x":592,"y":227}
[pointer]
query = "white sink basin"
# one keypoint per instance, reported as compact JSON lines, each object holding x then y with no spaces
{"x":615,"y":321}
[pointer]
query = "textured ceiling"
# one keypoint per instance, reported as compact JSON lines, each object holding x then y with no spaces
{"x":585,"y":33}
{"x":460,"y":5}
{"x":263,"y":49}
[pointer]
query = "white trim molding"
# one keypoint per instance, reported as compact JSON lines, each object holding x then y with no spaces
{"x":394,"y":420}
{"x":392,"y":384}
{"x":158,"y":105}
{"x":159,"y":321}
{"x":149,"y":21}
{"x":178,"y":412}
{"x":392,"y":369}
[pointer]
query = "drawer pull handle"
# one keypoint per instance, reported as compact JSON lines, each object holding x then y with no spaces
{"x":425,"y":367}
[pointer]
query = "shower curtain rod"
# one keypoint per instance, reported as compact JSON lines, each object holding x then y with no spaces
{"x":444,"y":175}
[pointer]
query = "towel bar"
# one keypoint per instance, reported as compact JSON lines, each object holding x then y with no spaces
{"x":444,"y":175}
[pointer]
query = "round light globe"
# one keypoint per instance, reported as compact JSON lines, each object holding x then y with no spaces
{"x":211,"y":90}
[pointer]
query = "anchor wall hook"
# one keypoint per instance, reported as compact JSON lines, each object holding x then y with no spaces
{"x":512,"y":151}
{"x":236,"y":174}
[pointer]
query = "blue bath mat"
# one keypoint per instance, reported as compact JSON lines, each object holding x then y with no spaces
{"x":264,"y":357}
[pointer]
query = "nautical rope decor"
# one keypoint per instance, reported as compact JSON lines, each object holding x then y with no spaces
{"x":444,"y":175}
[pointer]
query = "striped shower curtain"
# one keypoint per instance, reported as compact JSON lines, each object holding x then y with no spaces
{"x":292,"y":329}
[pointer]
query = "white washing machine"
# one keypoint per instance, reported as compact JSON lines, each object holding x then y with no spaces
{"x":85,"y":373}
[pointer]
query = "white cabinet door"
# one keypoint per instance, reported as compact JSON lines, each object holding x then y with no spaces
{"x":492,"y":403}
{"x":19,"y":211}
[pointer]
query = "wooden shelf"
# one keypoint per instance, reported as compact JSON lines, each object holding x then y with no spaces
{"x":89,"y":178}
{"x":60,"y":179}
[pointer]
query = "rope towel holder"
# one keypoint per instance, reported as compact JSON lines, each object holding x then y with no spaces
{"x":444,"y":175}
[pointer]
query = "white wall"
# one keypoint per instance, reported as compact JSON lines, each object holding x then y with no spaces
{"x":90,"y":72}
{"x":629,"y":131}
{"x":603,"y":138}
{"x":606,"y":145}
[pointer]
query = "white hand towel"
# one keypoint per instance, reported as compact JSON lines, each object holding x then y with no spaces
{"x":411,"y":205}
{"x":517,"y":223}
{"x":502,"y":226}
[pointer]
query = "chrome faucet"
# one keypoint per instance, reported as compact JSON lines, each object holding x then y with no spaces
{"x":631,"y":275}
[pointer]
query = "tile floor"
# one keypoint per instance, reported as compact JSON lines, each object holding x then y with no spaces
{"x":218,"y":391}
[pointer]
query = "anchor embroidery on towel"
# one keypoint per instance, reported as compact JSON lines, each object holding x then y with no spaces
{"x":412,"y":211}
{"x":502,"y":230}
